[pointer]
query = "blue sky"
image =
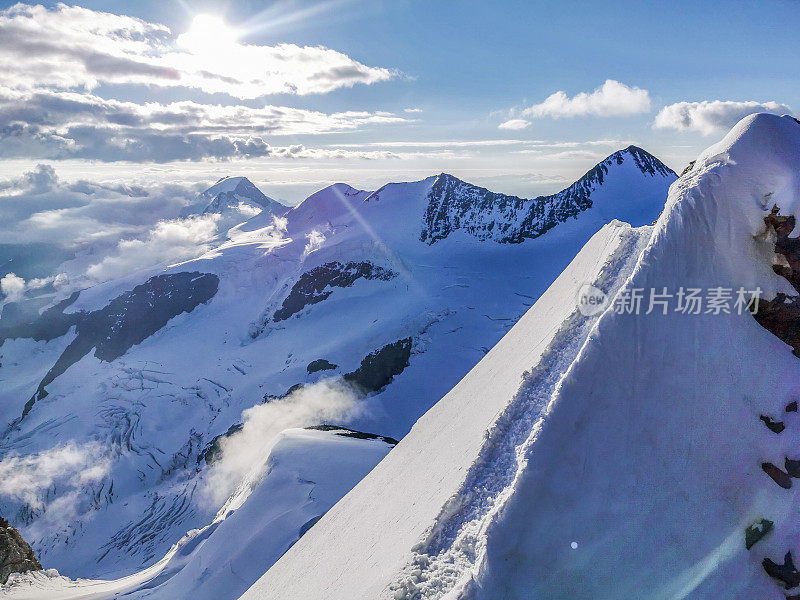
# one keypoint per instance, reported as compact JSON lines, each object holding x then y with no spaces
{"x":465,"y":68}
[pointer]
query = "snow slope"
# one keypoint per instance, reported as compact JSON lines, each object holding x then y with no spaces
{"x":307,"y":472}
{"x":235,"y":200}
{"x":156,"y":371}
{"x":617,"y":456}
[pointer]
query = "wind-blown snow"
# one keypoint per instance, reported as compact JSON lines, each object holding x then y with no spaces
{"x":306,"y":473}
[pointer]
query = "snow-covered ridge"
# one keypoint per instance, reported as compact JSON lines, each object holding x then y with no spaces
{"x":607,"y":457}
{"x":454,"y":204}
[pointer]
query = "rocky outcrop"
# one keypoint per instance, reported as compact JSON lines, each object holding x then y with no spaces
{"x":786,"y":573}
{"x":756,"y":532}
{"x":379,"y":368}
{"x":320,"y":365}
{"x":352,"y":433}
{"x":781,"y":315}
{"x":16,"y":555}
{"x":317,"y":284}
{"x":124,"y":322}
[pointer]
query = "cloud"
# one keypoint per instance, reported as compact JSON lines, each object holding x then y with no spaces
{"x":609,"y":100}
{"x":54,"y":125}
{"x":412,"y":110}
{"x":53,"y":59}
{"x":514,"y":124}
{"x":244,"y":454}
{"x":315,"y":240}
{"x":168,"y":242}
{"x":70,"y":47}
{"x":108,"y":229}
{"x":12,"y":287}
{"x":711,"y":116}
{"x":38,"y":206}
{"x":70,"y":467}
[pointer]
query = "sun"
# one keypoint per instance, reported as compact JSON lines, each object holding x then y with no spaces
{"x":209,"y":33}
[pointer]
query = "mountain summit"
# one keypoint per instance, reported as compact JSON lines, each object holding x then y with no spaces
{"x":608,"y":188}
{"x":235,"y":199}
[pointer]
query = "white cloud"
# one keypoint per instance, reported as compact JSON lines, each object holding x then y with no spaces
{"x":244,"y":454}
{"x":168,"y":242}
{"x":27,"y":478}
{"x":315,"y":240}
{"x":59,"y":125}
{"x":711,"y":116}
{"x":12,"y":287}
{"x":514,"y":124}
{"x":70,"y":47}
{"x":412,"y":110}
{"x":609,"y":100}
{"x":53,"y":58}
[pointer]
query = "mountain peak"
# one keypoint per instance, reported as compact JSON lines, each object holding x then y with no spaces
{"x":234,"y":193}
{"x":454,"y":204}
{"x":232,"y":184}
{"x":646,"y":162}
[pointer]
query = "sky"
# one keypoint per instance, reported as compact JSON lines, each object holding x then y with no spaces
{"x":115,"y":115}
{"x":522,"y":97}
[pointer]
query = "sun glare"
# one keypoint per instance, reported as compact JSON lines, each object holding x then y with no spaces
{"x":208,"y":33}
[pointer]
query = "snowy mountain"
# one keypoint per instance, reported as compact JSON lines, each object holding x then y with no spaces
{"x":235,"y":199}
{"x":619,"y":454}
{"x":176,"y":384}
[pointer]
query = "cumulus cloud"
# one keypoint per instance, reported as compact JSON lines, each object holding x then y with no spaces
{"x":53,"y":58}
{"x":12,"y":287}
{"x":514,"y":124}
{"x":168,"y":242}
{"x":71,"y":47}
{"x":609,"y":100}
{"x":67,"y":469}
{"x":244,"y":454}
{"x":711,"y":116}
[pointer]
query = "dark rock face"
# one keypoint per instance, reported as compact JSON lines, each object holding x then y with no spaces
{"x":316,"y":285}
{"x":781,"y":315}
{"x":126,"y":321}
{"x":756,"y":532}
{"x":51,"y":324}
{"x":454,"y":204}
{"x":786,"y":573}
{"x":345,"y":432}
{"x":213,"y":450}
{"x":780,"y":477}
{"x":320,"y":365}
{"x":772,"y":425}
{"x":16,"y":555}
{"x":688,"y":168}
{"x":378,"y":369}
